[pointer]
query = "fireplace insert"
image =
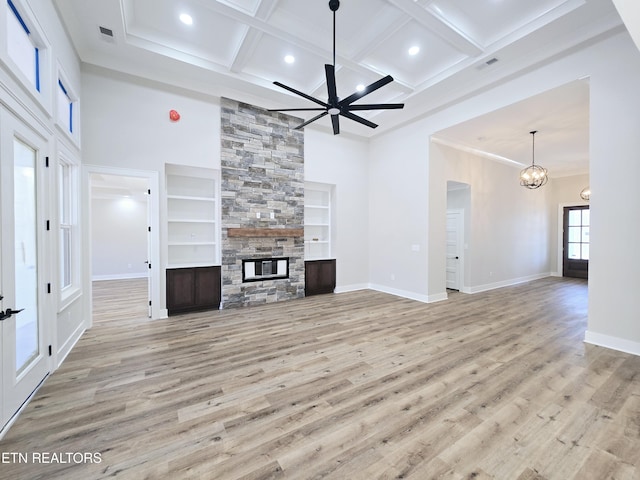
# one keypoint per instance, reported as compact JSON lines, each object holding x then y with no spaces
{"x":257,"y":269}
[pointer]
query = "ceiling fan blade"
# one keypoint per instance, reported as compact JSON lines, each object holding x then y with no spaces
{"x":330,"y":73}
{"x":358,"y":119}
{"x":366,"y":91}
{"x":376,"y":106}
{"x":311,"y":120}
{"x":295,"y":109}
{"x":304,"y":95}
{"x":335,"y":121}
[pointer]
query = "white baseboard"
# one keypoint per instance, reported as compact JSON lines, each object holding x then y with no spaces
{"x":119,"y":276}
{"x":614,"y":343}
{"x":400,"y":293}
{"x":438,"y":297}
{"x":66,"y":348}
{"x":352,"y":288}
{"x":506,"y":283}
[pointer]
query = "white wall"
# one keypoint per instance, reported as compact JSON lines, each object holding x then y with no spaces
{"x":398,"y":212}
{"x":127,"y":125}
{"x":119,"y":238}
{"x":614,"y":305}
{"x":566,"y":190}
{"x":509,"y":225}
{"x":341,"y":160}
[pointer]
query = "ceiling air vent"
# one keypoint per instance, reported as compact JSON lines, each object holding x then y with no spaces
{"x":106,"y":34}
{"x":488,"y":63}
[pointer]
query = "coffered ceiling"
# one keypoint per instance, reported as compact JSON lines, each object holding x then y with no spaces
{"x":238,"y":47}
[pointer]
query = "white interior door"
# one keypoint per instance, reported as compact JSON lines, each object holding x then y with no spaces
{"x":25,"y":358}
{"x":149,"y":250}
{"x":455,"y":225}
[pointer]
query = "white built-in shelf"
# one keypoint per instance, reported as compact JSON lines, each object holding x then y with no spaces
{"x":193,"y":227}
{"x":317,"y":221}
{"x":197,"y":199}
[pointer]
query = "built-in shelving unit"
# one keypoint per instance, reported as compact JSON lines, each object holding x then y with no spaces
{"x":193,"y":239}
{"x":317,"y":221}
{"x":193,"y":228}
{"x":320,"y":265}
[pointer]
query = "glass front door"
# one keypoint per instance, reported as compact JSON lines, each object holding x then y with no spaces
{"x":25,"y":258}
{"x":24,"y":356}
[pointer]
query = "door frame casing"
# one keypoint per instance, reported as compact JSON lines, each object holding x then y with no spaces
{"x":154,"y":222}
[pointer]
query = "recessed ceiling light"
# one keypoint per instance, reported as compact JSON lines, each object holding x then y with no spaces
{"x":289,"y":58}
{"x":186,"y":19}
{"x":414,"y":50}
{"x":359,"y":88}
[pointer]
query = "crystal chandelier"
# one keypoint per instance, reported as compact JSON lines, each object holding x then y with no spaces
{"x":533,"y":176}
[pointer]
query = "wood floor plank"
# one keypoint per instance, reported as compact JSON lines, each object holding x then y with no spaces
{"x":359,"y":385}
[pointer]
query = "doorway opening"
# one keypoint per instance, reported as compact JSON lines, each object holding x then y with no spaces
{"x":124,"y":243}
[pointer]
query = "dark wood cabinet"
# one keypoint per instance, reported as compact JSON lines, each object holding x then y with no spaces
{"x":320,"y":277}
{"x":193,"y":289}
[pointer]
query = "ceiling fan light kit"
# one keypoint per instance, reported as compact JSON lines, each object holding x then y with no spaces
{"x":534,"y":176}
{"x":334,"y":106}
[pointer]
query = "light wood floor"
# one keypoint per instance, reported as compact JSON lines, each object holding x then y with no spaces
{"x":120,"y":299}
{"x":360,"y":385}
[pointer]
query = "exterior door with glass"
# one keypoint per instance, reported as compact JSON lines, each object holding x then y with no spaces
{"x":25,"y":357}
{"x":576,"y":242}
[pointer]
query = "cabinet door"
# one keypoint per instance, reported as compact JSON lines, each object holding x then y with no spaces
{"x":180,"y":289}
{"x":207,"y":287}
{"x":192,"y":289}
{"x":320,"y":277}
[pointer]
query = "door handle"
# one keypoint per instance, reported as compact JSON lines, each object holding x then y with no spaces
{"x":4,"y":315}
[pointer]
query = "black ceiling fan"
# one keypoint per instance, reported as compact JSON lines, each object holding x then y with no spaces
{"x":335,"y":106}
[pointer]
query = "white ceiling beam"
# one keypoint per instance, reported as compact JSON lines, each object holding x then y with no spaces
{"x":629,"y":10}
{"x":264,"y":27}
{"x":252,"y":37}
{"x":440,"y":26}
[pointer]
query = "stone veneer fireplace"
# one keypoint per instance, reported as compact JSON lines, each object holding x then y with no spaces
{"x":262,"y":160}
